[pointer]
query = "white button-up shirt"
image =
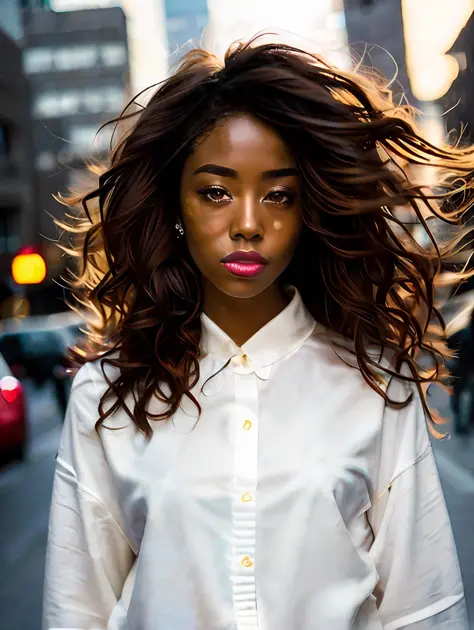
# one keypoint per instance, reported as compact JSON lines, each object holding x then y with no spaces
{"x":297,"y":501}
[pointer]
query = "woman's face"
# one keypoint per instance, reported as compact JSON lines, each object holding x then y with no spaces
{"x":240,"y":202}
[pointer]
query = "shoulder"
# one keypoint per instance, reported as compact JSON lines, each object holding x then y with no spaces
{"x":93,"y":376}
{"x":88,"y":388}
{"x":397,"y":418}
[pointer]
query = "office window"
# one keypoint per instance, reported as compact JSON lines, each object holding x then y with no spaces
{"x":93,"y":100}
{"x":82,"y":137}
{"x":38,"y":60}
{"x":75,"y":57}
{"x":69,"y":102}
{"x":47,"y":105}
{"x":113,"y":54}
{"x":113,"y":99}
{"x":85,"y":139}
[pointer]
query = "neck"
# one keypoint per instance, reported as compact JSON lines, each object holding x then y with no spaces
{"x":241,"y":318}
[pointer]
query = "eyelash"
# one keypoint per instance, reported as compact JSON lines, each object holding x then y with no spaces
{"x":208,"y":190}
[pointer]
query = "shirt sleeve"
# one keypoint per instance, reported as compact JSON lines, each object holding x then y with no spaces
{"x":88,"y":556}
{"x":420,"y":585}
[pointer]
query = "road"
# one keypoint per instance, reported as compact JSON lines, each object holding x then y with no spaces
{"x":25,"y":491}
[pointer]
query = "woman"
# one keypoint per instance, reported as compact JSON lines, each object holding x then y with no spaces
{"x":246,"y":445}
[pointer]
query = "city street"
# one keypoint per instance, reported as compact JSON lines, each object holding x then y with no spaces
{"x":24,"y":503}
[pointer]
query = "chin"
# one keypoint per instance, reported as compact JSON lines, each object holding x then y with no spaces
{"x":243,"y":288}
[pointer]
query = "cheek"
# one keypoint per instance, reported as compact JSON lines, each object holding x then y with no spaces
{"x":288,"y":231}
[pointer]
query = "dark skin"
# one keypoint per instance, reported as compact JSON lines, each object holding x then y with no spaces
{"x":241,"y":191}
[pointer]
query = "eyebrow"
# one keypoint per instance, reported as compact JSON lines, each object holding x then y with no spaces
{"x":224,"y":171}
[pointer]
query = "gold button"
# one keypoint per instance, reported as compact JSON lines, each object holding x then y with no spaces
{"x":247,"y":562}
{"x":246,"y":497}
{"x":247,"y":425}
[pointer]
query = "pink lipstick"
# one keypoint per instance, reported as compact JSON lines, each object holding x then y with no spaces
{"x":244,"y":264}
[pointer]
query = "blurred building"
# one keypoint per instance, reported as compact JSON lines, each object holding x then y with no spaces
{"x":459,"y":101}
{"x":375,"y":35}
{"x":185,"y":22}
{"x":77,"y":63}
{"x":17,"y":214}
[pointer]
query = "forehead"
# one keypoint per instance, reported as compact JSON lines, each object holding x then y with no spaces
{"x":242,"y":142}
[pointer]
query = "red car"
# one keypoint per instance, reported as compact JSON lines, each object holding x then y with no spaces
{"x":12,"y":415}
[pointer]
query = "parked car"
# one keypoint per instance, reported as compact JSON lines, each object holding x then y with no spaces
{"x":39,"y":356}
{"x":13,"y":430}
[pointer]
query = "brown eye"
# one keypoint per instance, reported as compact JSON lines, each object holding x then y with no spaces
{"x":280,"y":197}
{"x":216,"y":194}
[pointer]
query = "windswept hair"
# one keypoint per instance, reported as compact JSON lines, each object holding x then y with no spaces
{"x":360,"y":271}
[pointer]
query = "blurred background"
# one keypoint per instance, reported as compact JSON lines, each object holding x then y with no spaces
{"x":68,"y":66}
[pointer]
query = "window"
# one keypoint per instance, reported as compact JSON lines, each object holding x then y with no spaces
{"x":47,"y":105}
{"x":85,"y":139}
{"x":93,"y":100}
{"x":75,"y":57}
{"x":72,"y":57}
{"x":69,"y":102}
{"x":82,"y":138}
{"x":113,"y":54}
{"x":113,"y":99}
{"x":38,"y":60}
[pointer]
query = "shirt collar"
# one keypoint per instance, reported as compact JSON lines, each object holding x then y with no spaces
{"x":280,"y":336}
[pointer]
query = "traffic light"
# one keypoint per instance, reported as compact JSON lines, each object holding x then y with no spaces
{"x":28,"y":267}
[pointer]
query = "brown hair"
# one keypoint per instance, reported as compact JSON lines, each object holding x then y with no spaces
{"x":372,"y":282}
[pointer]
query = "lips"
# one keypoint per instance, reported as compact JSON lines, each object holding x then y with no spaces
{"x":244,"y":264}
{"x":245,"y":257}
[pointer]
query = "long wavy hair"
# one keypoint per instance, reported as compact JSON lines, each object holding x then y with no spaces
{"x":359,"y":269}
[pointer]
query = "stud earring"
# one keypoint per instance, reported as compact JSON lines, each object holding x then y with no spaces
{"x":180,"y":229}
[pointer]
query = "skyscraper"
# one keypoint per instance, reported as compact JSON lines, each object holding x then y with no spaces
{"x":17,"y":217}
{"x":77,"y":64}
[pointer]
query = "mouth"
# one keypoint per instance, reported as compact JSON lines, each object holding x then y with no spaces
{"x":245,"y":264}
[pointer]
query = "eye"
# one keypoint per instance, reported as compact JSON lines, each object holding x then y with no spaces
{"x":216,"y":194}
{"x":280,"y":197}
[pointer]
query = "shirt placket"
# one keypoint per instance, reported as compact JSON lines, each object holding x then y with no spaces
{"x":245,"y":494}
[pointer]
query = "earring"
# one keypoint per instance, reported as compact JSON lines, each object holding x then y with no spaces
{"x":180,"y":229}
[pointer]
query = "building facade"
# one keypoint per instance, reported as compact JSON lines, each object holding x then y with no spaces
{"x":185,"y":23}
{"x":17,"y":212}
{"x":77,"y":64}
{"x":375,"y":35}
{"x":458,"y":103}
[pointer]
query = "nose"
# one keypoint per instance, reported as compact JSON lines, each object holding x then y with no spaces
{"x":247,"y":224}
